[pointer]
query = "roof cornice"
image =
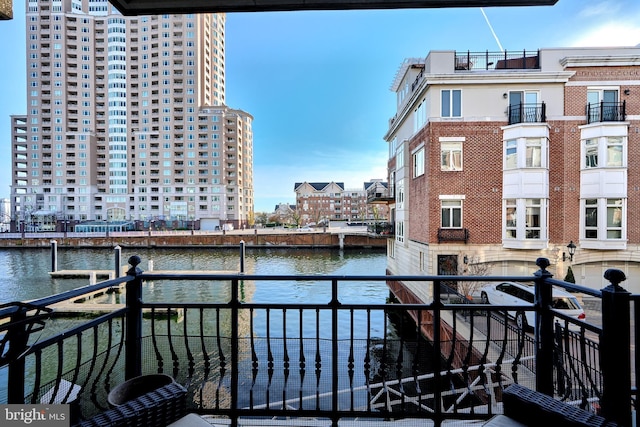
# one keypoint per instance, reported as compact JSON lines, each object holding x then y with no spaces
{"x":600,"y":61}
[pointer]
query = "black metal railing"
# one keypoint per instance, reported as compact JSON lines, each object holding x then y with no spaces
{"x":606,"y":112}
{"x":453,"y":235}
{"x":513,"y":60}
{"x":328,"y":360}
{"x":527,"y":113}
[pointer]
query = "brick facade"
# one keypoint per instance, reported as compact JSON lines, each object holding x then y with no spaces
{"x":567,"y":80}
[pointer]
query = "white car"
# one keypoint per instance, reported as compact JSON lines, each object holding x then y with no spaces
{"x":513,"y":293}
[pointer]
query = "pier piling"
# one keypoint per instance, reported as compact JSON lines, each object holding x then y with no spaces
{"x":54,"y":256}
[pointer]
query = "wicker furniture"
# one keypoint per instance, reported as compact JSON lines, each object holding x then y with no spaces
{"x":533,"y":408}
{"x":159,"y":407}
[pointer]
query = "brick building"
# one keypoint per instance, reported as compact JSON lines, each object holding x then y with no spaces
{"x":501,"y":158}
{"x":318,"y":202}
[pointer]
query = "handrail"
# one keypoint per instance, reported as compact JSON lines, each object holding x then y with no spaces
{"x":299,"y":351}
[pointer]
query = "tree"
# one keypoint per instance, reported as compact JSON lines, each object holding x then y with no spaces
{"x":262,"y":217}
{"x":472,"y":267}
{"x":569,"y":277}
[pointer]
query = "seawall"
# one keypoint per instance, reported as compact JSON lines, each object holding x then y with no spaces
{"x":285,"y":240}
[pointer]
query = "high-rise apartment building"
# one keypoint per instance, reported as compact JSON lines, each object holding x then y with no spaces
{"x":501,"y":158}
{"x":127,"y":121}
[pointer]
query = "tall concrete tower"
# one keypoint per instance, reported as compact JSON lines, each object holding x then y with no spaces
{"x":120,"y":124}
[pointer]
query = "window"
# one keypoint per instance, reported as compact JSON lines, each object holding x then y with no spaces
{"x":451,"y":156}
{"x":591,"y":153}
{"x":511,"y":219}
{"x":612,"y":229}
{"x":610,"y":148}
{"x":602,"y":105}
{"x":524,"y":223}
{"x":523,"y":107}
{"x":418,"y":163}
{"x":451,"y":213}
{"x":451,"y":103}
{"x":532,"y":218}
{"x":420,"y":115}
{"x":614,"y":151}
{"x":534,"y":152}
{"x":614,"y":218}
{"x":511,"y":154}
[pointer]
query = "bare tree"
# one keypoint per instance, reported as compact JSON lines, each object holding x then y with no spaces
{"x":472,"y":266}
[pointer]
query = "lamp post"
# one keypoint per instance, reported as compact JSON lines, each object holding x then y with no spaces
{"x":572,"y":250}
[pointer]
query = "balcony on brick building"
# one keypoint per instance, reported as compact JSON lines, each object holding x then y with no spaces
{"x":606,"y":112}
{"x":453,"y":235}
{"x":527,"y":113}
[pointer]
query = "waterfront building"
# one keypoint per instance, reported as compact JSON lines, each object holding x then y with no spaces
{"x":319,"y":202}
{"x":127,"y":121}
{"x":501,"y":158}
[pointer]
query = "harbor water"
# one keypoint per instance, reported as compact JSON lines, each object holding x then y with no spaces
{"x":24,"y":275}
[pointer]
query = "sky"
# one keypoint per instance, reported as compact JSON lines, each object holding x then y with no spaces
{"x":317,"y":83}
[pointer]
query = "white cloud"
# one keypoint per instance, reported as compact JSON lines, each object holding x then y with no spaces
{"x":599,"y":9}
{"x":622,"y":31}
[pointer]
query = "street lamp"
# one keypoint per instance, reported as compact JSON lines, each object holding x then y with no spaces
{"x":572,"y":250}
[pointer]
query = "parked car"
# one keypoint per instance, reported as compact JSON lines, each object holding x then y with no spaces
{"x":513,"y":293}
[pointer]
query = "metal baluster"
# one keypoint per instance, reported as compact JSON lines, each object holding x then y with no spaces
{"x":269,"y":358}
{"x":302,"y":359}
{"x":350,"y":361}
{"x":254,"y":359}
{"x":154,"y":341}
{"x":285,"y":358}
{"x":206,"y":358}
{"x":318,"y":364}
{"x":367,"y":361}
{"x":191,"y":364}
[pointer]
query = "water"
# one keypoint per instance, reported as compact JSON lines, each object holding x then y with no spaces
{"x":24,"y":276}
{"x":24,"y":272}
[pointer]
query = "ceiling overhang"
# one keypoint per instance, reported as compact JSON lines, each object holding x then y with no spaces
{"x":156,"y":7}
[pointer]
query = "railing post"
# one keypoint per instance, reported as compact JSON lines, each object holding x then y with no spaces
{"x":437,"y":356}
{"x":17,"y":338}
{"x":544,"y":335}
{"x":615,"y":343}
{"x":242,"y":254}
{"x":117,"y":252}
{"x":334,"y":304}
{"x":54,"y":256}
{"x":133,"y":319}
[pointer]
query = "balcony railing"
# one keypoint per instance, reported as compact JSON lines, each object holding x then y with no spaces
{"x":513,"y":60}
{"x":453,"y":235}
{"x":329,"y":360}
{"x":606,"y":112}
{"x":527,"y":113}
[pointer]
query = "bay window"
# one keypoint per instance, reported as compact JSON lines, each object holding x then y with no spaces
{"x":605,"y":151}
{"x":604,"y":219}
{"x":525,"y":222}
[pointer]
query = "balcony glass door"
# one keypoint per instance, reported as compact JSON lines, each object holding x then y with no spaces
{"x":523,"y":107}
{"x":603,"y":105}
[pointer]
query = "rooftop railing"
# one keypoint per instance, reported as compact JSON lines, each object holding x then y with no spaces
{"x":512,"y":60}
{"x":330,"y":360}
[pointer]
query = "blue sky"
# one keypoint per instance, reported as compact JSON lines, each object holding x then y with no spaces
{"x":317,"y":83}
